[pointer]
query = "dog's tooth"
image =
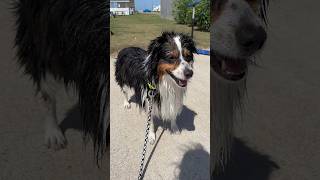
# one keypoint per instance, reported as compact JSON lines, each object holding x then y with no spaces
{"x":223,"y":66}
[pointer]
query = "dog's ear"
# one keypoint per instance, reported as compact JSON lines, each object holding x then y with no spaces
{"x":154,"y":46}
{"x":188,"y":42}
{"x":153,"y":51}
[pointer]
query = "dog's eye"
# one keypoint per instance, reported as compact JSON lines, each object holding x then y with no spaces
{"x":172,"y":59}
{"x":188,"y":58}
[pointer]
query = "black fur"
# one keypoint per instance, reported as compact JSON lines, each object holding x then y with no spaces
{"x":132,"y":69}
{"x":70,"y":40}
{"x":263,"y":10}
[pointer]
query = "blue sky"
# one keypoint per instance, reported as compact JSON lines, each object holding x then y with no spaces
{"x":146,"y":4}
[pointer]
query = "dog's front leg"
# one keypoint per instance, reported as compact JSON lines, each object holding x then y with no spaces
{"x":126,"y":102}
{"x":152,"y":132}
{"x":174,"y":127}
{"x":54,"y":137}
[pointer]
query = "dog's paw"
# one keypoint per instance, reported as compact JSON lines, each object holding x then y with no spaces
{"x":175,"y":129}
{"x":152,"y":137}
{"x":54,"y":138}
{"x":127,"y":105}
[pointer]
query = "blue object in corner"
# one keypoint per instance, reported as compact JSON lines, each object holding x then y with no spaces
{"x":203,"y":52}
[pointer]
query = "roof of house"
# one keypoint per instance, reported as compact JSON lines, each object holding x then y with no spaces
{"x":120,"y":0}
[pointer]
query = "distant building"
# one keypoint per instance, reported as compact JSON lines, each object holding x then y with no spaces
{"x":122,"y":7}
{"x":157,"y":8}
{"x":166,"y":9}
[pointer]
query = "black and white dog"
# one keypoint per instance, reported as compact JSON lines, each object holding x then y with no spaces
{"x":168,"y":64}
{"x":67,"y":42}
{"x":237,"y":34}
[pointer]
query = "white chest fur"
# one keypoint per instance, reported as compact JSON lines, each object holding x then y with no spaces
{"x":171,"y":98}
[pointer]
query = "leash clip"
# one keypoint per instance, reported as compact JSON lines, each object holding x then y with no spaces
{"x":151,"y":93}
{"x":152,"y":90}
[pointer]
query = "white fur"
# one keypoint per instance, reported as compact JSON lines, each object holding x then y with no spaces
{"x":145,"y":62}
{"x":179,"y":71}
{"x":54,"y":137}
{"x":223,"y":38}
{"x":226,"y":109}
{"x":126,"y":102}
{"x":171,"y":97}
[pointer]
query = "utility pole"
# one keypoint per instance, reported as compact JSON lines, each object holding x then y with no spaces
{"x":193,"y":5}
{"x":193,"y":12}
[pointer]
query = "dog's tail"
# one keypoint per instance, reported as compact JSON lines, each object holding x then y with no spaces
{"x":94,"y":104}
{"x":94,"y":82}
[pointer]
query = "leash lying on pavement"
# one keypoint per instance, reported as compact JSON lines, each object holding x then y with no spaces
{"x":151,"y":93}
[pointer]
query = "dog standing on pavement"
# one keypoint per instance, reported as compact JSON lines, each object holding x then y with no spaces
{"x":237,"y":34}
{"x":168,"y":65}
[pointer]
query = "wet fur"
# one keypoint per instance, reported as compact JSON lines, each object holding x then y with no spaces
{"x":136,"y":67}
{"x":69,"y":40}
{"x":227,"y":96}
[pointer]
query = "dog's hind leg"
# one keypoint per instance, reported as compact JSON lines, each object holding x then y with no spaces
{"x":54,"y":138}
{"x":126,"y":102}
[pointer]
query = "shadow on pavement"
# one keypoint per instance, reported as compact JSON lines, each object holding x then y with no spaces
{"x":247,"y":164}
{"x":72,"y":119}
{"x":186,"y":119}
{"x":194,"y":164}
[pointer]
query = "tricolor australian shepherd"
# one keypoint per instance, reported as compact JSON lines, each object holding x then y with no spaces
{"x":237,"y":34}
{"x":168,"y":64}
{"x":67,"y":41}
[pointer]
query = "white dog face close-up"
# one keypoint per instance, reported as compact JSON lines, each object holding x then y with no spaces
{"x":237,"y":33}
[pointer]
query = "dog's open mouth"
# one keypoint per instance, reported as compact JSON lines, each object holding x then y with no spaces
{"x":229,"y":68}
{"x":179,"y":82}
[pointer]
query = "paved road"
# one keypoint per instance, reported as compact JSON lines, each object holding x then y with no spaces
{"x":279,"y":138}
{"x":22,"y":151}
{"x":184,"y":156}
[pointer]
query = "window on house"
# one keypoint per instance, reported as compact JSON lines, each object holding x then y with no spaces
{"x":114,"y":4}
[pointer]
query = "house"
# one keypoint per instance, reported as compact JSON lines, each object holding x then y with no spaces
{"x":156,"y":8}
{"x":166,"y":9}
{"x":122,"y":7}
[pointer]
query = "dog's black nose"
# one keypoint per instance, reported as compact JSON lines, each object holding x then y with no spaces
{"x":188,"y":73}
{"x":251,"y":37}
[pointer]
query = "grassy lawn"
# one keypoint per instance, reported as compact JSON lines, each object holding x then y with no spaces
{"x":139,"y":29}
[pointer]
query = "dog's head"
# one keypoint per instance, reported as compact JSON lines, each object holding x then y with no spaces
{"x":237,"y":34}
{"x":173,"y":54}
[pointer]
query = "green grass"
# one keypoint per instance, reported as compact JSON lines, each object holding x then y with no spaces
{"x":140,"y":29}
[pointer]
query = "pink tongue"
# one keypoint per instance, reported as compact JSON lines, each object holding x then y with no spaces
{"x":232,"y":66}
{"x":182,"y":82}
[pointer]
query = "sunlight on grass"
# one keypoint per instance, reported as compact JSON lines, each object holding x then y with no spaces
{"x":139,"y":29}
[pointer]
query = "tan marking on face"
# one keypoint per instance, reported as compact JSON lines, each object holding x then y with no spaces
{"x":163,"y":68}
{"x":174,"y":54}
{"x":186,"y":52}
